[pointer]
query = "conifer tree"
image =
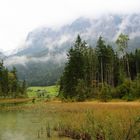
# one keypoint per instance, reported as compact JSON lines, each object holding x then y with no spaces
{"x":74,"y":69}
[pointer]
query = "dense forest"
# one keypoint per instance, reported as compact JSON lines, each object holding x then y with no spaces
{"x":101,"y":72}
{"x":10,"y":86}
{"x":40,"y":73}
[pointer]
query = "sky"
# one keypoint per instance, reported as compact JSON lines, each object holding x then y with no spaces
{"x":19,"y":17}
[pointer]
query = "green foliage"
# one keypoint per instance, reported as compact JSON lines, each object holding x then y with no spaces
{"x":105,"y":93}
{"x":136,"y":87}
{"x":81,"y":90}
{"x":125,"y":90}
{"x":101,"y":71}
{"x":10,"y":86}
{"x":40,"y":74}
{"x":74,"y":69}
{"x":47,"y":91}
{"x":106,"y":59}
{"x":122,"y":42}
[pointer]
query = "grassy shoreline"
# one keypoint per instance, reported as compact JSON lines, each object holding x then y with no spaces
{"x":14,"y":100}
{"x":89,"y":120}
{"x":93,"y":119}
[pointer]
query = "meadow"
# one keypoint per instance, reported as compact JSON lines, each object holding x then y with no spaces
{"x":78,"y":120}
{"x":48,"y":91}
{"x":50,"y":118}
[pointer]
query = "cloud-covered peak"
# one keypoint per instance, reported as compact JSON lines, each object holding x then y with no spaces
{"x":44,"y":49}
{"x":108,"y":25}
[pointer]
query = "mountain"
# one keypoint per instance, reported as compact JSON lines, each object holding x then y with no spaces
{"x":2,"y":56}
{"x":42,"y":58}
{"x":109,"y":26}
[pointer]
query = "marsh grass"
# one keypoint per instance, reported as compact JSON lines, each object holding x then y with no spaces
{"x":13,"y":102}
{"x":85,"y":120}
{"x":113,"y":121}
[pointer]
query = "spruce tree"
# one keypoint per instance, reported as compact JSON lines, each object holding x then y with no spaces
{"x":74,"y":69}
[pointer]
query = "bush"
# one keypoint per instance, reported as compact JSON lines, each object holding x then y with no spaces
{"x":136,"y":87}
{"x":128,"y":98}
{"x":126,"y":90}
{"x":105,"y":93}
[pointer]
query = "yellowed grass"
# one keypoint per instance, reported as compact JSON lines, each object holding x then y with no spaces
{"x":112,"y":119}
{"x":16,"y":100}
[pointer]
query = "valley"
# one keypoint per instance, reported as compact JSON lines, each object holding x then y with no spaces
{"x":76,"y":81}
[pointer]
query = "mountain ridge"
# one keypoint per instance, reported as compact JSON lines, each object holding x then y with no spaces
{"x":49,"y":46}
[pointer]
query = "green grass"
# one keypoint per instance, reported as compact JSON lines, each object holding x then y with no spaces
{"x":49,"y":91}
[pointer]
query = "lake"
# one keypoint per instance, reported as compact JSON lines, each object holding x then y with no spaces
{"x":27,"y":125}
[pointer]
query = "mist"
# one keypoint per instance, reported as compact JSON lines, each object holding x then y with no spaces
{"x":18,"y":22}
{"x":23,"y":60}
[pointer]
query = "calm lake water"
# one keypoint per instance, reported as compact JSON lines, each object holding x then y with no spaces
{"x":26,"y":125}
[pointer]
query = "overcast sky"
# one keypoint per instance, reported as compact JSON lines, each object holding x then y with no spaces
{"x":18,"y":17}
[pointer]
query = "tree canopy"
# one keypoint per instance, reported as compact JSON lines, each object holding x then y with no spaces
{"x":10,"y":86}
{"x":99,"y":72}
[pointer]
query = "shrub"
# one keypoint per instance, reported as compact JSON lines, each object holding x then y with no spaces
{"x":105,"y":93}
{"x":136,"y":87}
{"x":125,"y":90}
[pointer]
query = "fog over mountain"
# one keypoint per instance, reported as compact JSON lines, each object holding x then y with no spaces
{"x":44,"y":50}
{"x":108,"y":26}
{"x":2,"y":56}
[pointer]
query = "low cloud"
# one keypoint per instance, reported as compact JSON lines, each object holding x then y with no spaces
{"x":16,"y":60}
{"x":23,"y":60}
{"x":134,"y":34}
{"x":63,"y":39}
{"x":52,"y":43}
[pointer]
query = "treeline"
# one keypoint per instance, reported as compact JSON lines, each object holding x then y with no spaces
{"x":101,"y":72}
{"x":10,"y":86}
{"x":40,"y":74}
